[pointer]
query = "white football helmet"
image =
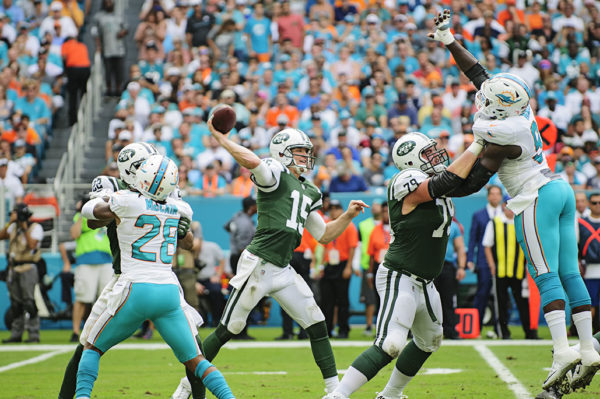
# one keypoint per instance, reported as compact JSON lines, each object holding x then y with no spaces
{"x":157,"y":177}
{"x":417,"y":151}
{"x":284,"y":142}
{"x":503,"y":96}
{"x":131,"y":157}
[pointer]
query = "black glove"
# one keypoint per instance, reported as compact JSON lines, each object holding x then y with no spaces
{"x":183,"y":227}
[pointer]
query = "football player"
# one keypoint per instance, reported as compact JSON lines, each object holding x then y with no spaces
{"x":147,"y":229}
{"x":543,"y":203}
{"x":421,"y":217}
{"x":128,"y":161}
{"x":287,"y":203}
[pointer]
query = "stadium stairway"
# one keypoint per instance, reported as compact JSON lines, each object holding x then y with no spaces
{"x":95,"y":152}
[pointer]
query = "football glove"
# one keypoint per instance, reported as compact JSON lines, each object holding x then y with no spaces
{"x":183,"y":227}
{"x":442,"y":28}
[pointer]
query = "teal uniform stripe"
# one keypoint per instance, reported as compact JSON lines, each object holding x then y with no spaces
{"x":159,"y":176}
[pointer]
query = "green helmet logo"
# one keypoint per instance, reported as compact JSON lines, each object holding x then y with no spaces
{"x":280,"y":138}
{"x":126,"y":155}
{"x":405,"y":148}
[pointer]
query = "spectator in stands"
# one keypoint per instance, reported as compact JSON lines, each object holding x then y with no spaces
{"x":347,"y":180}
{"x":23,"y":159}
{"x":373,"y":174}
{"x":77,"y":70}
{"x":370,"y":109}
{"x":32,"y":105}
{"x":289,"y":25}
{"x":110,"y":30}
{"x":200,"y":24}
{"x":211,"y":183}
{"x":242,"y":186}
{"x":13,"y":189}
{"x":56,"y":18}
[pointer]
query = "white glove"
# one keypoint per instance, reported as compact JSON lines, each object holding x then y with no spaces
{"x":442,"y":28}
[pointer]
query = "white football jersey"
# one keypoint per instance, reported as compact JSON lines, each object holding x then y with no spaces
{"x":147,"y":234}
{"x":524,"y":175}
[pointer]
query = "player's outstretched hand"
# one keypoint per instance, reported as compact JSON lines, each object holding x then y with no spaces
{"x":356,"y":207}
{"x":215,"y":133}
{"x":442,"y":28}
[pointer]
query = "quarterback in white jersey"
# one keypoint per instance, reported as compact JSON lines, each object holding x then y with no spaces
{"x":544,"y":206}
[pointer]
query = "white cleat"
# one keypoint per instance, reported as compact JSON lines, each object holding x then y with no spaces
{"x":334,"y":395}
{"x":584,"y":372}
{"x":183,"y":391}
{"x":382,"y":396}
{"x":562,"y":363}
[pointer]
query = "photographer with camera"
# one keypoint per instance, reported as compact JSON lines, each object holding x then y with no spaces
{"x":24,"y":252}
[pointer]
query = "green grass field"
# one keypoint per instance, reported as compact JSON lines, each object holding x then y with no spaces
{"x":265,"y":368}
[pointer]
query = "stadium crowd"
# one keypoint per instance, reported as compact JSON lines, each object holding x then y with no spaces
{"x":355,"y":76}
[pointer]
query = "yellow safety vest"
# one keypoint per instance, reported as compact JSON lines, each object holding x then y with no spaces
{"x":510,"y":260}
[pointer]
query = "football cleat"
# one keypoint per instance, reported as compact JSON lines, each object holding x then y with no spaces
{"x":183,"y":391}
{"x":334,"y":395}
{"x":381,"y":396}
{"x":562,"y":363}
{"x":584,"y":372}
{"x":550,"y":393}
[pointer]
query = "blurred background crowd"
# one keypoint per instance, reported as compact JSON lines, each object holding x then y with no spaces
{"x":355,"y":75}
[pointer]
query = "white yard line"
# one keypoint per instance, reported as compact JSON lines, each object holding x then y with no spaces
{"x":267,"y":345}
{"x":503,"y":372}
{"x":33,"y":360}
{"x":255,"y":373}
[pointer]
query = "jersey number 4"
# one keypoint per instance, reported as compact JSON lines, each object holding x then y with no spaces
{"x":293,"y":222}
{"x":169,"y":234}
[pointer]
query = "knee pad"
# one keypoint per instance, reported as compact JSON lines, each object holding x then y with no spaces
{"x":431,"y":343}
{"x":394,"y":342}
{"x":550,"y":288}
{"x":576,"y":290}
{"x":30,"y":307}
{"x":236,"y":326}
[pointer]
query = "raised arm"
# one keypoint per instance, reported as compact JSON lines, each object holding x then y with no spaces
{"x":242,"y":155}
{"x":467,"y":63}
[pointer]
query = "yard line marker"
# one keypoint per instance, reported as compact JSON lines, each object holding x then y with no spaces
{"x":33,"y":360}
{"x":503,"y":372}
{"x":254,"y":373}
{"x":267,"y":345}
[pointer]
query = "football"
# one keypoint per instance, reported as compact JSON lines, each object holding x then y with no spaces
{"x":223,"y":118}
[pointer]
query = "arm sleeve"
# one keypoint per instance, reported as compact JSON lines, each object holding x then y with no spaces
{"x":315,"y":225}
{"x":405,"y":183}
{"x":488,"y":236}
{"x":477,"y":74}
{"x":478,"y":177}
{"x":266,"y":175}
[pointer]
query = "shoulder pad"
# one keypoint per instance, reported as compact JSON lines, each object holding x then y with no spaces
{"x":405,"y":182}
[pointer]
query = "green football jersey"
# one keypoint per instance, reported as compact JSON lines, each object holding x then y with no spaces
{"x":111,"y":184}
{"x":282,"y":212}
{"x":419,"y":239}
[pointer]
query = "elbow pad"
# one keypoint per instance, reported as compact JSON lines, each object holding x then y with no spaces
{"x":477,"y":74}
{"x":475,"y":181}
{"x":442,"y":184}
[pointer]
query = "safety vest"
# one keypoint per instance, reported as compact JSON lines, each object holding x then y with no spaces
{"x":365,"y":228}
{"x":20,"y":252}
{"x":213,"y":184}
{"x":510,"y":260}
{"x":242,"y":187}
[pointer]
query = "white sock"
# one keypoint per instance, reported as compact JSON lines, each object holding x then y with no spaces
{"x":396,"y":384}
{"x":583,"y":322}
{"x":558,"y":329}
{"x":352,"y":381}
{"x":331,"y":383}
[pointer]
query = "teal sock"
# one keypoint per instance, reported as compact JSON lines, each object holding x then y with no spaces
{"x":215,"y":341}
{"x":321,"y":349}
{"x":198,"y":388}
{"x":411,"y":359}
{"x":214,"y":381}
{"x":87,"y":373}
{"x":371,"y":361}
{"x":67,"y":389}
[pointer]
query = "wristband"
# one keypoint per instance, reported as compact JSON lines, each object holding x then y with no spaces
{"x":87,"y":211}
{"x":475,"y":148}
